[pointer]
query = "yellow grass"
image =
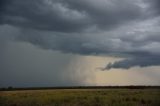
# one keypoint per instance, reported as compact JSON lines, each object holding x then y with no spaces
{"x":81,"y":97}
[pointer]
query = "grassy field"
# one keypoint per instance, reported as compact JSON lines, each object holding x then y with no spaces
{"x":81,"y":97}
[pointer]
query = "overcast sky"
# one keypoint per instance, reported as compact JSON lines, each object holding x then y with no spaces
{"x":79,"y":42}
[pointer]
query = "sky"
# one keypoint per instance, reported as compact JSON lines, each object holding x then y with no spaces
{"x":79,"y":42}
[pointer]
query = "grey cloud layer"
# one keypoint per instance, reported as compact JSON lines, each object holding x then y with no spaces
{"x":68,"y":16}
{"x":141,"y":61}
{"x":126,"y":27}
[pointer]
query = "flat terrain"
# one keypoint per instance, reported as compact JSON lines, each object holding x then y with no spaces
{"x":81,"y":97}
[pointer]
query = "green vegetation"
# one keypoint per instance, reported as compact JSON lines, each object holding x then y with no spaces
{"x":81,"y":97}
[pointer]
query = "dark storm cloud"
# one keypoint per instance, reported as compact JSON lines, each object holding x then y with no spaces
{"x":68,"y":16}
{"x":41,"y":15}
{"x":66,"y":43}
{"x":89,"y":27}
{"x":139,"y":61}
{"x":107,"y":13}
{"x":154,"y":6}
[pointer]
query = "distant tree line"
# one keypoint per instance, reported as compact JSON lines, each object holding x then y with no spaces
{"x":10,"y":88}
